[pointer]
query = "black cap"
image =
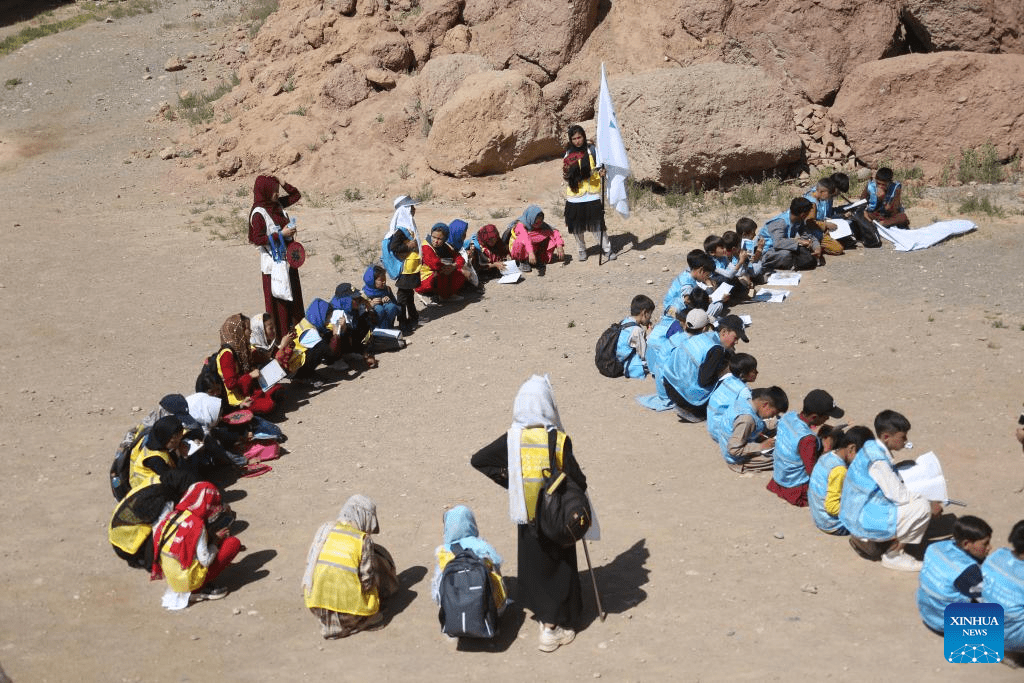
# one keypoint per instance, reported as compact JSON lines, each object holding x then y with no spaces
{"x":820,"y":402}
{"x":734,"y":323}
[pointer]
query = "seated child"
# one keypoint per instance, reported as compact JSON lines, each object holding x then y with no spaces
{"x":352,"y":324}
{"x":662,"y":338}
{"x":876,"y":504}
{"x":821,"y":210}
{"x":534,"y":242}
{"x":797,"y":447}
{"x":1004,"y":583}
{"x":733,"y":384}
{"x":460,"y":528}
{"x":788,"y":244}
{"x":631,"y":349}
{"x":740,"y":429}
{"x":754,"y":245}
{"x":441,"y":275}
{"x":693,"y":367}
{"x":825,"y":490}
{"x":952,"y":570}
{"x":727,"y":267}
{"x":489,"y":252}
{"x":380,"y":297}
{"x":884,"y":200}
{"x":700,"y":266}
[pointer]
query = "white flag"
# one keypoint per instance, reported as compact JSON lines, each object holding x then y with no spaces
{"x":610,"y":150}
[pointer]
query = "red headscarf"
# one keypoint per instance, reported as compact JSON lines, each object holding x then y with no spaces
{"x":499,"y":251}
{"x":264,"y":195}
{"x":200,"y":502}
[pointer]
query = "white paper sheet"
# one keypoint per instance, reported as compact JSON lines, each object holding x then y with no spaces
{"x":774,"y":296}
{"x":784,"y":279}
{"x":842,"y":228}
{"x":510,"y":273}
{"x":720,"y":292}
{"x":925,"y":477}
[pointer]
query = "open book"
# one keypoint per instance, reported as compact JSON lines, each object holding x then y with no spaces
{"x":924,"y":476}
{"x":271,"y":374}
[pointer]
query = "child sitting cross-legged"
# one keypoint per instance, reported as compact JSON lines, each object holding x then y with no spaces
{"x":952,"y":570}
{"x":824,"y":493}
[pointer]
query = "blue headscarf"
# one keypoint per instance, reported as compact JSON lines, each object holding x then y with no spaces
{"x":457,"y":236}
{"x":317,"y":313}
{"x":460,"y":527}
{"x":370,"y":291}
{"x":440,"y":227}
{"x":530,"y":215}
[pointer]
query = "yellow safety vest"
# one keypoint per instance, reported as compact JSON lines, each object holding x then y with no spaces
{"x":128,"y":537}
{"x":235,"y":396}
{"x":298,"y":356}
{"x":336,"y":584}
{"x":181,"y":579}
{"x":591,"y":185}
{"x":411,"y":264}
{"x":533,"y":452}
{"x":138,"y":474}
{"x":497,"y":583}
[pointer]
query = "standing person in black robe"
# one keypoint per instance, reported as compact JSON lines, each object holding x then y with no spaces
{"x":548,"y":581}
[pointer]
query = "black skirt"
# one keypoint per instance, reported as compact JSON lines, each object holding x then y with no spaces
{"x":584,"y":216}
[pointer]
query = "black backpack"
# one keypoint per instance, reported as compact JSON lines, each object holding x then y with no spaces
{"x":864,"y":229}
{"x":604,"y":354}
{"x":209,"y":370}
{"x":467,"y":606}
{"x":563,"y":514}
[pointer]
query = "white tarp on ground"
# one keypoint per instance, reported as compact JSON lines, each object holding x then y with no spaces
{"x":922,"y":238}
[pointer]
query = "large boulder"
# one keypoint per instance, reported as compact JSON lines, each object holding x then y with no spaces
{"x":813,"y":44}
{"x":538,"y":36}
{"x":495,"y":121}
{"x":705,"y":124}
{"x":345,"y":86}
{"x":442,"y":76}
{"x":923,"y":109}
{"x":965,"y":25}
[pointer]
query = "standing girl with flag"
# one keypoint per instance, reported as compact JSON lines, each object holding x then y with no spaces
{"x":584,"y":210}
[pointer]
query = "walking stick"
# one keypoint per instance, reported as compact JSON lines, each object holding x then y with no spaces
{"x":593,"y":579}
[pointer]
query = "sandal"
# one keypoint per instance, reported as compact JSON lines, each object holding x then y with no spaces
{"x":255,"y":469}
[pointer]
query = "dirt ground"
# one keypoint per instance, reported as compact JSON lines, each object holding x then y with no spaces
{"x":113,"y":287}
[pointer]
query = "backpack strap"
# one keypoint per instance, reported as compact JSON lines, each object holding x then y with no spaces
{"x":632,"y":351}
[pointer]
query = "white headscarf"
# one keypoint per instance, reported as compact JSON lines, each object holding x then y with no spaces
{"x":258,"y":333}
{"x":403,"y":218}
{"x":534,"y":407}
{"x":360,"y":513}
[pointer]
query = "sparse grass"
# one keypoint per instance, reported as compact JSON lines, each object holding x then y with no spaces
{"x":300,"y":111}
{"x":380,"y":118}
{"x":979,"y":164}
{"x":425,"y":193}
{"x":976,"y":204}
{"x":572,"y":323}
{"x":257,"y":15}
{"x":96,"y":12}
{"x":768,"y":192}
{"x":12,"y":83}
{"x":197,"y":108}
{"x":353,"y":247}
{"x":998,"y":323}
{"x":314,"y":199}
{"x":498,"y":213}
{"x":241,"y":191}
{"x":404,"y":172}
{"x":289,"y":85}
{"x":640,"y":196}
{"x":352,"y":194}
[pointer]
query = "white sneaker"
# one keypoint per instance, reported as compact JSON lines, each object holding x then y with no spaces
{"x":426,"y":302}
{"x":553,"y":638}
{"x":900,"y":561}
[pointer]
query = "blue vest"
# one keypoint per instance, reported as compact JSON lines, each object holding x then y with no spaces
{"x":720,"y":400}
{"x":822,"y":207}
{"x":788,"y":469}
{"x":683,"y":366}
{"x":392,"y":263}
{"x":873,"y":199}
{"x":865,"y":510}
{"x":1004,"y":584}
{"x":818,"y":489}
{"x":944,"y":562}
{"x":679,"y":288}
{"x":634,"y":368}
{"x":740,"y":406}
{"x":658,"y":348}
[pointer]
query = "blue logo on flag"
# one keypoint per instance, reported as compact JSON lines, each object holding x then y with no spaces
{"x":973,"y":632}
